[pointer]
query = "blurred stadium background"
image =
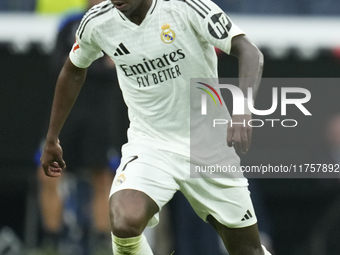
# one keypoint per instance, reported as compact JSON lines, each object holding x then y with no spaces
{"x":299,"y":38}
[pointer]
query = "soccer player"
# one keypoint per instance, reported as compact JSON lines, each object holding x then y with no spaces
{"x":158,"y":45}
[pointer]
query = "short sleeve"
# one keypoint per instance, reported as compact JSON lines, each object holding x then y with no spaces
{"x":211,"y":23}
{"x":85,"y":50}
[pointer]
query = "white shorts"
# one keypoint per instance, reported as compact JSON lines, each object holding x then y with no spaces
{"x":159,"y":174}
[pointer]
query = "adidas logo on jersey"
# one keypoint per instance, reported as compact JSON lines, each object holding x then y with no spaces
{"x":247,"y":216}
{"x":121,"y":50}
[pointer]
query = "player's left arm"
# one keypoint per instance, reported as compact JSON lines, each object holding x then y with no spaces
{"x":250,"y":61}
{"x":216,"y":28}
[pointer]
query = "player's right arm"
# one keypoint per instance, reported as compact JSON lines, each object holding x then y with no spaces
{"x":71,"y":78}
{"x":69,"y":83}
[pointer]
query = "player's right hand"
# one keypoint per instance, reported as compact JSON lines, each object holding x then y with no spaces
{"x":52,"y":159}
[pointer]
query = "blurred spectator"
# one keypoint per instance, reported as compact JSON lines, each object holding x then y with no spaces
{"x":323,"y":238}
{"x":91,"y":139}
{"x":329,"y":153}
{"x":333,"y":138}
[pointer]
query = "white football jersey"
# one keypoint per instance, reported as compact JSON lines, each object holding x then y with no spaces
{"x":155,"y":61}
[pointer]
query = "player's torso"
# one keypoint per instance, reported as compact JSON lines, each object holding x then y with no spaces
{"x":158,"y":52}
{"x":155,"y":62}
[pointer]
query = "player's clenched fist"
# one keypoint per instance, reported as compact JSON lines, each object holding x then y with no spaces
{"x":52,"y":159}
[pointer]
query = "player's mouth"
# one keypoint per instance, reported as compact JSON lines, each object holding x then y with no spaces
{"x":119,"y":5}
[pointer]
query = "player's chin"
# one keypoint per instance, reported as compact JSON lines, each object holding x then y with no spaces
{"x":124,"y":8}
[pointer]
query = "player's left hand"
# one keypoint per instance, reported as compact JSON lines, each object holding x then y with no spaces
{"x":239,"y":133}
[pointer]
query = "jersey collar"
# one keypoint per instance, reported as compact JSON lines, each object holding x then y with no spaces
{"x":150,"y":11}
{"x":152,"y":7}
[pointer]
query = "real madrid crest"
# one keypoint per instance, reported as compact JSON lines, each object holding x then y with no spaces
{"x":168,"y":35}
{"x":120,"y":179}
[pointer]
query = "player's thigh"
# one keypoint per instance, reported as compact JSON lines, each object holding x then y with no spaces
{"x":240,"y":241}
{"x":230,"y":205}
{"x":143,"y":182}
{"x":131,"y":209}
{"x":229,"y":210}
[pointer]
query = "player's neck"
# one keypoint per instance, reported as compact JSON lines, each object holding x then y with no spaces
{"x":139,"y":14}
